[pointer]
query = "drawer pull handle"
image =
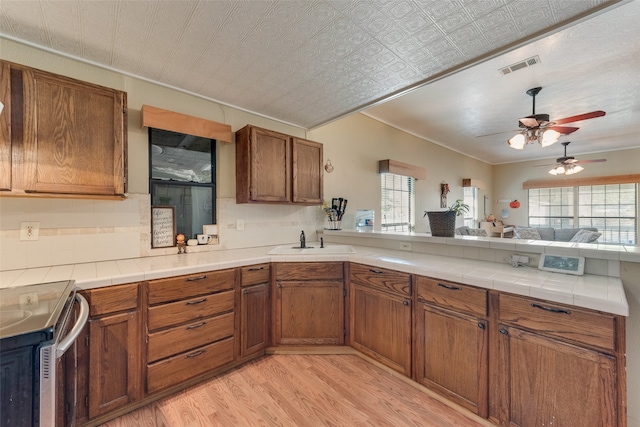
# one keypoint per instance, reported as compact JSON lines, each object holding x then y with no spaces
{"x":196,"y":302}
{"x":453,"y":288}
{"x":256,"y":268}
{"x":481,"y":325}
{"x":195,"y":279}
{"x":245,"y":292}
{"x":196,"y":326}
{"x":376,"y":271}
{"x":196,"y":354}
{"x":504,"y":332}
{"x":405,"y":302}
{"x":551,"y":309}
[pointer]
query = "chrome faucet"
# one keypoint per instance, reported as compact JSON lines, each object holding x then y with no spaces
{"x":303,"y":239}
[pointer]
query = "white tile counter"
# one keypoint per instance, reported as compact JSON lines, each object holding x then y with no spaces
{"x":589,"y":291}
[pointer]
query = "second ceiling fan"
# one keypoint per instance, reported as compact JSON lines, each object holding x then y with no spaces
{"x":539,"y":128}
{"x":568,"y":164}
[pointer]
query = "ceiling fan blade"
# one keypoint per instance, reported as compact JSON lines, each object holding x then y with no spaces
{"x":528,"y":122}
{"x":546,"y":166}
{"x":565,"y":130}
{"x":590,"y":161}
{"x":580,"y":117}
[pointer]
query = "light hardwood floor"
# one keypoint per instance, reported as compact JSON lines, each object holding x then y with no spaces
{"x":300,"y":390}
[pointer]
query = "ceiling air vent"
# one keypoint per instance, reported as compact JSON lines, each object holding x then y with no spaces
{"x":520,"y":65}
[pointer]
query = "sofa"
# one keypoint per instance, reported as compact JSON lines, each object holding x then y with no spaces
{"x":466,"y":231}
{"x":576,"y":235}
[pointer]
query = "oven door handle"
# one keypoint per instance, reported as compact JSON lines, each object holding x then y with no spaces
{"x":83,"y":316}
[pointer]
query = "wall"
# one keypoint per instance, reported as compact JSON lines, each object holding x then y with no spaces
{"x":356,"y":143}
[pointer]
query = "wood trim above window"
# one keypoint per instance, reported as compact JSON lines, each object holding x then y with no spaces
{"x":577,"y":182}
{"x":158,"y":118}
{"x":399,"y":168}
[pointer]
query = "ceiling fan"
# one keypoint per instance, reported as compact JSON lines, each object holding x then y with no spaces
{"x":568,"y":165}
{"x":538,"y":127}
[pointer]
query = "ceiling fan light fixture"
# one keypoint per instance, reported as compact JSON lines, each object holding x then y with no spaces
{"x":574,"y":169}
{"x":557,"y":171}
{"x":549,"y":137}
{"x":517,"y":142}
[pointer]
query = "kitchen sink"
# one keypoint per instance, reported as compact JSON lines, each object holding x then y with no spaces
{"x":313,"y":250}
{"x":13,"y":317}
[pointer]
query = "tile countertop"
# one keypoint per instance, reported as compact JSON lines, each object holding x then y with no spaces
{"x":595,"y":292}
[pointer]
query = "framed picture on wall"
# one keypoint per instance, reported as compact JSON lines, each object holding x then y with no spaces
{"x":163,"y":226}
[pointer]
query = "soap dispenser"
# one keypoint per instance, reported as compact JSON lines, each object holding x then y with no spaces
{"x":303,"y":243}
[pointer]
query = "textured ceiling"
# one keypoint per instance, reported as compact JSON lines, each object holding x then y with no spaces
{"x":307,"y":62}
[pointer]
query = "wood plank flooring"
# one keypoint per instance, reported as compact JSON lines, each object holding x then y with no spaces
{"x":300,"y":390}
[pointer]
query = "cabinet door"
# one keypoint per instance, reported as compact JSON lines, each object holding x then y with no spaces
{"x":307,"y":171}
{"x":254,"y":304}
{"x":5,"y":127}
{"x":270,"y":166}
{"x":548,"y":382}
{"x":309,"y":312}
{"x":452,"y":356}
{"x":381,"y":327}
{"x":114,"y":366}
{"x":74,"y":136}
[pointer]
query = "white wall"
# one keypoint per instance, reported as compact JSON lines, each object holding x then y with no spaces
{"x":356,"y":143}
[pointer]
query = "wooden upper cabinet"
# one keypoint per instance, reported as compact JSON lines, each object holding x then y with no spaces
{"x":273,"y":167}
{"x":66,"y":136}
{"x":5,"y":127}
{"x":307,"y":171}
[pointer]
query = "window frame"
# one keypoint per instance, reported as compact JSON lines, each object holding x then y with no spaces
{"x":401,"y":226}
{"x":572,"y":217}
{"x":186,"y":184}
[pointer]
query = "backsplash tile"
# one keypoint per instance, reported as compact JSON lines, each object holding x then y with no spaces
{"x":76,"y":230}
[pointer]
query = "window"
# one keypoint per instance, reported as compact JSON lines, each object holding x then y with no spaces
{"x":182,"y":174}
{"x":471,"y":199}
{"x":397,"y":209}
{"x":612,"y":209}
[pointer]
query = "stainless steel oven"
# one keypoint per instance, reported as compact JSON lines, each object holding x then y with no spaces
{"x":38,"y":327}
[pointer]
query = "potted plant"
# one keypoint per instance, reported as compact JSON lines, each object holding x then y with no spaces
{"x":443,"y":223}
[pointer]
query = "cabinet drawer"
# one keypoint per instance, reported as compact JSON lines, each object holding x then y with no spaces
{"x":381,"y":278}
{"x":559,"y":320}
{"x":192,"y":309}
{"x":177,"y":288}
{"x":183,"y":338}
{"x":309,"y":271}
{"x":255,"y":274}
{"x":187,"y":365}
{"x":453,"y":295}
{"x":112,"y":299}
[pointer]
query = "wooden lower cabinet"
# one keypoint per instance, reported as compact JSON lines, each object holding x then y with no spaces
{"x":309,"y":313}
{"x":254,"y":303}
{"x":547,"y":382}
{"x":381,"y":326}
{"x":114,"y":362}
{"x":191,"y":324}
{"x":109,"y":369}
{"x":308,"y":304}
{"x":452,"y":356}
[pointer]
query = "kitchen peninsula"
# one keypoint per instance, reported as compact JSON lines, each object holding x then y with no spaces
{"x":490,"y":304}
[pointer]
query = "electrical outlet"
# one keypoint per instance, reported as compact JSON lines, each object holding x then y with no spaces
{"x":28,"y":301}
{"x":29,"y":231}
{"x":239,"y":224}
{"x":405,"y":246}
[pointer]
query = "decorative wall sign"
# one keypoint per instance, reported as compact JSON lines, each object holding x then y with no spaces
{"x":163,"y":226}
